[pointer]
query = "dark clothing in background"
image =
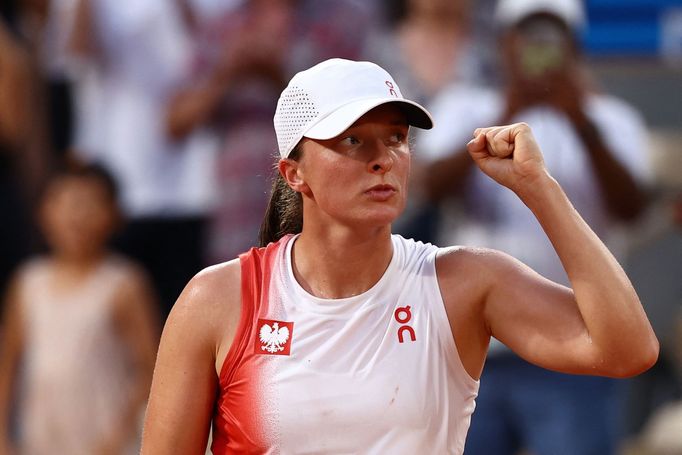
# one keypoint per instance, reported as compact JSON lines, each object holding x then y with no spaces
{"x":171,"y":250}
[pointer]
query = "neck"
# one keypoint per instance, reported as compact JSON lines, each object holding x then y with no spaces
{"x":435,"y":21}
{"x":341,"y":262}
{"x":77,"y":262}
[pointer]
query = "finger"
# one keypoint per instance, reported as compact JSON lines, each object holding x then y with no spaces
{"x":504,"y":141}
{"x":477,"y":144}
{"x":499,"y":142}
{"x":492,"y":141}
{"x":478,"y":131}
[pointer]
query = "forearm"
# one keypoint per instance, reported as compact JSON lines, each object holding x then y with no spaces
{"x":82,"y":39}
{"x":14,"y":90}
{"x":446,"y":176}
{"x":613,"y":316}
{"x":623,"y":196}
{"x":8,"y":365}
{"x":193,"y":107}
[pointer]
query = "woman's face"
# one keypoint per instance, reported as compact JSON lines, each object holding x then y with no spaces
{"x":360,"y":176}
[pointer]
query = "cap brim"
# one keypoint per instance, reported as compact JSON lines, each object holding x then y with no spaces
{"x":342,"y":118}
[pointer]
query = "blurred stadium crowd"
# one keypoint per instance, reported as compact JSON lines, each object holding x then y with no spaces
{"x":173,"y":99}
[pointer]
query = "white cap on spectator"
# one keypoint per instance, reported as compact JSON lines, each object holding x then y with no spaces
{"x":325,"y":100}
{"x":511,"y":12}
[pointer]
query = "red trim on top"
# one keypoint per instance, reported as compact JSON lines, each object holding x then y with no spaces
{"x":238,"y":425}
{"x":248,"y":263}
{"x":256,"y":269}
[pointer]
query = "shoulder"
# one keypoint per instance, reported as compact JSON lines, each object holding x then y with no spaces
{"x":16,"y":301}
{"x":32,"y":266}
{"x":609,"y":110}
{"x":210,"y":292}
{"x":131,"y":284}
{"x":458,"y":257}
{"x":208,"y":308}
{"x":471,"y":270}
{"x":31,"y":274}
{"x":128,"y":272}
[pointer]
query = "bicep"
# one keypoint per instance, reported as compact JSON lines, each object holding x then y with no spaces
{"x":536,"y":318}
{"x":183,"y":387}
{"x":185,"y":383}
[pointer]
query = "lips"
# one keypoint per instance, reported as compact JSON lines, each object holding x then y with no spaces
{"x":381,"y":192}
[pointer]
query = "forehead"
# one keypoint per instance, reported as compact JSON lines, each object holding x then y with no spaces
{"x":541,"y":26}
{"x":81,"y":185}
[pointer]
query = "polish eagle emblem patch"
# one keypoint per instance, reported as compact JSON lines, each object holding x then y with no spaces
{"x":274,"y":337}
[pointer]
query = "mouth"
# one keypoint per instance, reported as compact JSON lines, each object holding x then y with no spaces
{"x":381,"y":193}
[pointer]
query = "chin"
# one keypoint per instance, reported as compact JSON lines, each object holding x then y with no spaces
{"x":382,"y":217}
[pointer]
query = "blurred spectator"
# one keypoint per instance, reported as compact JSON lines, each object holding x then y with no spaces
{"x":244,"y":53}
{"x":654,"y":269}
{"x":662,"y":434}
{"x":239,"y":69}
{"x":404,"y":45}
{"x":134,"y":55}
{"x":47,"y":26}
{"x":80,"y":339}
{"x":596,"y":148}
{"x":22,"y":163}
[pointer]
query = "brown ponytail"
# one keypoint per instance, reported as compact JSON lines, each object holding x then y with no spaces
{"x":284,"y":214}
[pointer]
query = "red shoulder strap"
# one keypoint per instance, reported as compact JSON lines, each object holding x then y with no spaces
{"x":256,"y":270}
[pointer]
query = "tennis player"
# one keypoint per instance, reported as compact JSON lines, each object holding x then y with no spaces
{"x":339,"y":337}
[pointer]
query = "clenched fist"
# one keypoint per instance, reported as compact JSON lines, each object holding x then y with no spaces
{"x":509,"y":155}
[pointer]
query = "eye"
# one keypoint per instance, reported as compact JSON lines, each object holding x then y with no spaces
{"x":398,"y":137}
{"x":350,"y":140}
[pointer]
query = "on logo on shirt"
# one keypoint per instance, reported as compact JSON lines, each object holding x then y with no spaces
{"x":274,"y":337}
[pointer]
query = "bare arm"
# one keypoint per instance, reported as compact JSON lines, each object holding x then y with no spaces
{"x":614,"y":178}
{"x":195,"y":340}
{"x":254,"y":50}
{"x":599,"y":327}
{"x":83,"y":37}
{"x":11,"y":342}
{"x":14,"y":90}
{"x":446,"y":176}
{"x":137,"y":323}
{"x":192,"y":106}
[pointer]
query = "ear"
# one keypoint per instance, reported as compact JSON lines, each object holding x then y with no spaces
{"x":290,"y":171}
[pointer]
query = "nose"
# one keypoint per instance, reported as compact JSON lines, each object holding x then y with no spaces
{"x":382,"y":159}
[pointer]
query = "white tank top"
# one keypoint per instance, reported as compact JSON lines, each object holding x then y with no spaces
{"x":375,"y":373}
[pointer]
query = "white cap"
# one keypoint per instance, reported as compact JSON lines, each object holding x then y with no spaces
{"x":325,"y":100}
{"x":511,"y":12}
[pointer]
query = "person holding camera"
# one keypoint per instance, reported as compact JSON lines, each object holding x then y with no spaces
{"x":595,"y":147}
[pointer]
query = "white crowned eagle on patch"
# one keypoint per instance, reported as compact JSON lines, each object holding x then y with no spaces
{"x":273,"y":338}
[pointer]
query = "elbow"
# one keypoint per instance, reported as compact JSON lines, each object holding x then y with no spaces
{"x":637,"y":362}
{"x":650,"y":356}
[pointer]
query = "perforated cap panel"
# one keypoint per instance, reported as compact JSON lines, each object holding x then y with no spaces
{"x":295,"y":112}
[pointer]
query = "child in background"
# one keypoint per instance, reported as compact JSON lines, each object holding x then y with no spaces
{"x":79,"y":334}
